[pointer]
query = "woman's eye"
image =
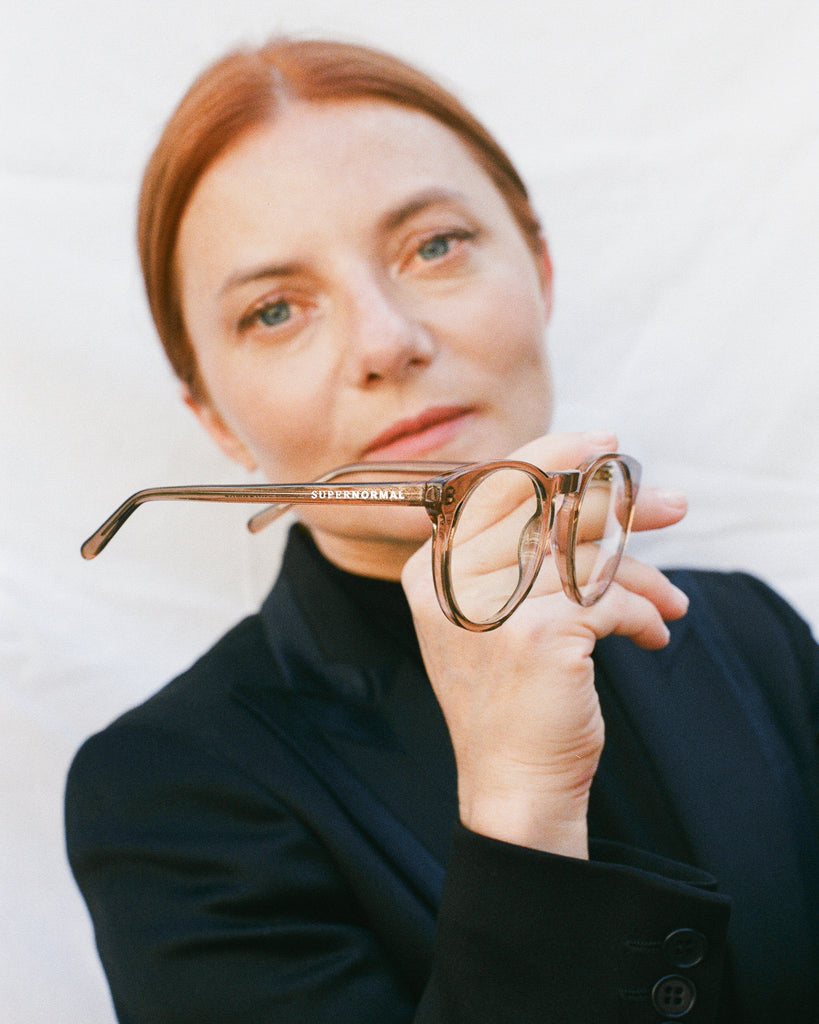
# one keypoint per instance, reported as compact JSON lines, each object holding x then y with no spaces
{"x":445,"y":246}
{"x":435,"y":247}
{"x":274,"y":313}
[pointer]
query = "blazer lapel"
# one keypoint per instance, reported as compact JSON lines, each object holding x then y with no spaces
{"x":361,"y":712}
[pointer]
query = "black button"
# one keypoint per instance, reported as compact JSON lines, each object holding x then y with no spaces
{"x":673,"y":996}
{"x":685,"y":948}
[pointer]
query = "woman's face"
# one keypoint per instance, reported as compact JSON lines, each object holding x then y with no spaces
{"x":355,"y":288}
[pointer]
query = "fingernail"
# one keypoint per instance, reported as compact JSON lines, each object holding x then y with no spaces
{"x":603,"y":438}
{"x":673,"y":499}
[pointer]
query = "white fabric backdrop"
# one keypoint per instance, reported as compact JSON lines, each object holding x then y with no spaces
{"x":673,"y":151}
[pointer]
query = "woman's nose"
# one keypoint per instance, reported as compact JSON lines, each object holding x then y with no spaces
{"x":387,"y":339}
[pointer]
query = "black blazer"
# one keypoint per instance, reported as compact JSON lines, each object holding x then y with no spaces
{"x":273,"y":837}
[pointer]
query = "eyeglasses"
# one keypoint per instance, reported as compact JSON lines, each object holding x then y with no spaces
{"x":492,"y":523}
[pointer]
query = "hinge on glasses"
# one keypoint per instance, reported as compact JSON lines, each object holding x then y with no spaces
{"x":570,"y":482}
{"x":433,"y":494}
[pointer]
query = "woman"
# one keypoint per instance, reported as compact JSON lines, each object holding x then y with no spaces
{"x":350,"y":809}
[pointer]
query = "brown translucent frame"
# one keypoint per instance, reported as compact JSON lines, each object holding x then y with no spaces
{"x":442,"y":493}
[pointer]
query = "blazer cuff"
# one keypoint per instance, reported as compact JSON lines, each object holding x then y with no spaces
{"x":625,"y":936}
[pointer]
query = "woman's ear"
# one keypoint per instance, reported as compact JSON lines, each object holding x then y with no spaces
{"x":221,"y":433}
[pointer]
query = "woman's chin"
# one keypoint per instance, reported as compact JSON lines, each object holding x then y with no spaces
{"x":370,"y":542}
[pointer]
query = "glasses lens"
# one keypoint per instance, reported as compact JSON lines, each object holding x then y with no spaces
{"x":496,"y":544}
{"x":604,"y":518}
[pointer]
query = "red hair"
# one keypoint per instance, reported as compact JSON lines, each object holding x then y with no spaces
{"x":245,"y":89}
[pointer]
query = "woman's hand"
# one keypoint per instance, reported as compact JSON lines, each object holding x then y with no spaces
{"x":520,"y":701}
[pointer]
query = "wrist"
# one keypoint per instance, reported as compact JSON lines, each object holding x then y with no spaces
{"x":537,"y":818}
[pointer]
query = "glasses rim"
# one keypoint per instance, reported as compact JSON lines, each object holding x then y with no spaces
{"x":559,"y":534}
{"x":442,"y":492}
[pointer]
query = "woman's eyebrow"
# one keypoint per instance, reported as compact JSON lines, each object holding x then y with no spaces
{"x":260,"y":272}
{"x":416,"y":204}
{"x":391,"y":221}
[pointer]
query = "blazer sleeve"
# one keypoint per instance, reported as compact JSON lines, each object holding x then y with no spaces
{"x":212,"y":901}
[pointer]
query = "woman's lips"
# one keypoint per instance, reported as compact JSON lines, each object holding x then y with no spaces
{"x":419,"y":435}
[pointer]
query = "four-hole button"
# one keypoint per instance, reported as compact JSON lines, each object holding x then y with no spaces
{"x":673,"y":995}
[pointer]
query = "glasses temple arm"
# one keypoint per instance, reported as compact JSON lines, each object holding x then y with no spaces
{"x":263,"y":493}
